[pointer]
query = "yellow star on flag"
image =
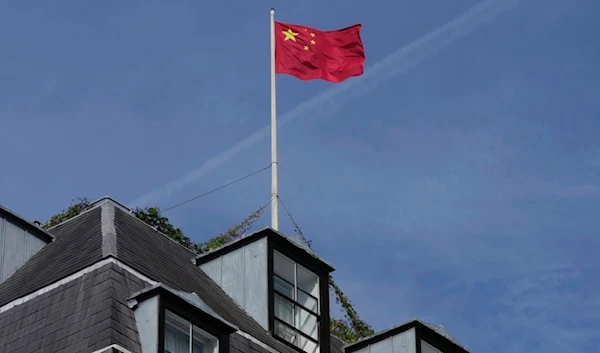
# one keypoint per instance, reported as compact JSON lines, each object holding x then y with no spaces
{"x":306,"y":47}
{"x":313,"y":42}
{"x":289,"y":34}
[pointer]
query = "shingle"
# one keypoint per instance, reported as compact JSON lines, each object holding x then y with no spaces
{"x":35,"y":345}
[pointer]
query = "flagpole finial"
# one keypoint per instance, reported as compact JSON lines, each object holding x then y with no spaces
{"x":272,"y":10}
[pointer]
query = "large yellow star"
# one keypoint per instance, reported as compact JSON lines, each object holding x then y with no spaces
{"x":289,"y":34}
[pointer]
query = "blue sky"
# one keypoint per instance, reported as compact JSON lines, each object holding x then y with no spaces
{"x":457,"y":181}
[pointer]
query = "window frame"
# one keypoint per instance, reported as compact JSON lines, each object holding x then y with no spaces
{"x":308,"y":263}
{"x":295,"y":300}
{"x":194,"y":333}
{"x":292,"y":327}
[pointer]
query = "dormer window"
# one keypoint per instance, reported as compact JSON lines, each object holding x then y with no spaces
{"x":171,"y":321}
{"x":280,"y":282}
{"x":296,"y":303}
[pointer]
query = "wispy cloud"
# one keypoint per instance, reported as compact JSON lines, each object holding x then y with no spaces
{"x":332,"y":99}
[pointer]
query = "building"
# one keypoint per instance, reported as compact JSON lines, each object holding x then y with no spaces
{"x":104,"y":281}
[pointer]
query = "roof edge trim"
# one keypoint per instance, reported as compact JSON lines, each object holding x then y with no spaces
{"x":247,"y":239}
{"x":115,"y":346}
{"x":422,"y":329}
{"x":72,"y":277}
{"x":158,"y":288}
{"x":34,"y":229}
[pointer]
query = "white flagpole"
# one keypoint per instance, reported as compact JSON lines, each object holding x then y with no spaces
{"x":274,"y":191}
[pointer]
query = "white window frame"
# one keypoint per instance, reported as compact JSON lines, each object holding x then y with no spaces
{"x":295,"y":304}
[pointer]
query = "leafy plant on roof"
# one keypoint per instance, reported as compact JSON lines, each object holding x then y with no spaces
{"x":349,"y":329}
{"x":78,"y":205}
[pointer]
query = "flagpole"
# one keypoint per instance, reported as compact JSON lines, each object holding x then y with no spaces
{"x":274,"y":165}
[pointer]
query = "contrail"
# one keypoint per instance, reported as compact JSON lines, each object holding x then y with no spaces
{"x":330,"y":100}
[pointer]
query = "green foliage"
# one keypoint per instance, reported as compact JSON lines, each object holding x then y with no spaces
{"x":349,"y":329}
{"x":232,"y":233}
{"x":78,"y":205}
{"x":342,"y":330}
{"x":352,"y":328}
{"x":152,"y":217}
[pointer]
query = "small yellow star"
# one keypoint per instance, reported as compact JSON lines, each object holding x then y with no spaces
{"x":306,"y":47}
{"x":289,"y":35}
{"x":313,"y":42}
{"x":312,"y":35}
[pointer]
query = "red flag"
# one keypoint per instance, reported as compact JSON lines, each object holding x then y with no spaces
{"x":310,"y":54}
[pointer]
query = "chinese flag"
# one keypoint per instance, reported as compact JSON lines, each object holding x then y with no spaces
{"x":310,"y":54}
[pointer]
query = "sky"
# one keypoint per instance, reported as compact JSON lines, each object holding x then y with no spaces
{"x":457,"y":180}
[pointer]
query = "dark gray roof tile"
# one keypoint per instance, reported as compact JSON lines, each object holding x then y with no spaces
{"x":239,"y":344}
{"x":336,"y":345}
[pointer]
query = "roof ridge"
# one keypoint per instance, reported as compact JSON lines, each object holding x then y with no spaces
{"x":109,"y":232}
{"x":93,"y":205}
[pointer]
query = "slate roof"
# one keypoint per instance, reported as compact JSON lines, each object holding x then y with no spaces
{"x":336,"y":345}
{"x":82,"y":241}
{"x":83,"y":315}
{"x":165,"y":261}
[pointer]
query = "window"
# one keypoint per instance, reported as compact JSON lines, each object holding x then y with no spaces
{"x":183,"y":337}
{"x":296,"y":303}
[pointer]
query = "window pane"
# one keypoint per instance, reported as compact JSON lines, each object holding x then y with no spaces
{"x":283,"y":287}
{"x":286,"y":333}
{"x":306,"y":344}
{"x":198,"y":347}
{"x":177,"y":334}
{"x":307,"y":281}
{"x":307,"y":323}
{"x":199,"y":340}
{"x":284,"y":310}
{"x":307,"y":301}
{"x":283,"y":267}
